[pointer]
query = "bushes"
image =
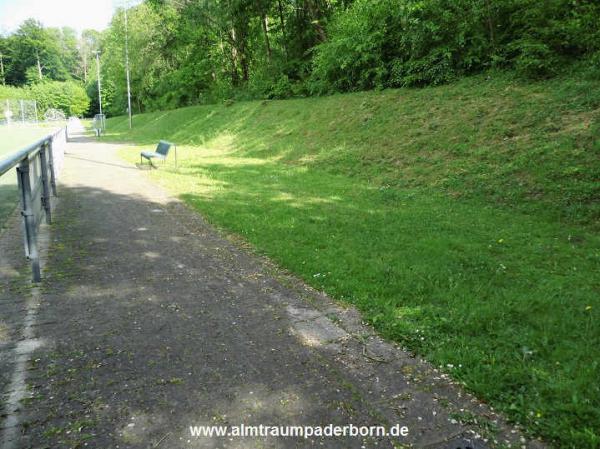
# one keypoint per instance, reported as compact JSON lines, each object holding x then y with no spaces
{"x":354,"y":56}
{"x":185,"y":53}
{"x":393,"y":43}
{"x":10,"y":92}
{"x":69,"y":96}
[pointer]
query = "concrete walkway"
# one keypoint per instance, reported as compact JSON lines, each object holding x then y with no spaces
{"x":149,"y":322}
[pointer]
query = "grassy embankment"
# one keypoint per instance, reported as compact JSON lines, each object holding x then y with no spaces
{"x":461,"y":220}
{"x":14,"y":138}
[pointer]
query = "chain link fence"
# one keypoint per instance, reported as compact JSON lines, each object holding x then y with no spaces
{"x":18,"y":111}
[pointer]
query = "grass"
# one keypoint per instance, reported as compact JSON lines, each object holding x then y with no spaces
{"x":16,"y":137}
{"x":12,"y":139}
{"x":461,"y":220}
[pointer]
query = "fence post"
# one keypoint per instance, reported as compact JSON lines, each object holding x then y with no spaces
{"x":50,"y":146}
{"x":46,"y":196}
{"x":29,"y":231}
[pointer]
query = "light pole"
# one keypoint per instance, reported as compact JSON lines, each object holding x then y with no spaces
{"x":2,"y":68}
{"x":99,"y":87}
{"x":127,"y":65}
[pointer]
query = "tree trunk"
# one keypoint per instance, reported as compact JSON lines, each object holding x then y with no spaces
{"x":314,"y":14}
{"x":239,"y":48}
{"x":284,"y":34}
{"x":85,"y":65}
{"x":265,"y":24}
{"x":39,"y":66}
{"x":2,"y":69}
{"x":244,"y":64}
{"x":490,"y":24}
{"x":234,"y":59}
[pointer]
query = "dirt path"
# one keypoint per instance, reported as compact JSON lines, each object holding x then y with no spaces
{"x":149,"y":322}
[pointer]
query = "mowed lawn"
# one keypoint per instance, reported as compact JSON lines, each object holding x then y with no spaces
{"x":461,"y":220}
{"x":12,"y":139}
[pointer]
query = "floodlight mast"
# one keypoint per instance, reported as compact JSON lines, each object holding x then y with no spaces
{"x":97,"y":52}
{"x":2,"y":69}
{"x":127,"y":65}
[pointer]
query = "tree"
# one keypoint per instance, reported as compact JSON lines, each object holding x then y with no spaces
{"x":70,"y":97}
{"x":189,"y":51}
{"x":34,"y":46}
{"x":87,"y":44}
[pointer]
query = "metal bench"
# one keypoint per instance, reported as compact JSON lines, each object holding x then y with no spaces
{"x":162,"y":150}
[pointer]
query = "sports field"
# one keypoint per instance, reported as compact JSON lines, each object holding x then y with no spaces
{"x":12,"y":139}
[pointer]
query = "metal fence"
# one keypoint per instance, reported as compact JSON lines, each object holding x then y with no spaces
{"x":18,"y":111}
{"x":37,"y":167}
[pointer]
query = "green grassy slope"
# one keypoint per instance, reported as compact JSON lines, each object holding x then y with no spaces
{"x":462,"y":220}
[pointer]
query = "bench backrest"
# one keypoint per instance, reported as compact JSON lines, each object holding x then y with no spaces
{"x":163,"y":147}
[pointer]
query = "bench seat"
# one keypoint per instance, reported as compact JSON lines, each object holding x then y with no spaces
{"x":151,"y":154}
{"x":162,"y":150}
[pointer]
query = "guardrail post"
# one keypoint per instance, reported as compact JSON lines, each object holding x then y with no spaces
{"x":50,"y":146}
{"x":29,"y":231}
{"x":46,"y":196}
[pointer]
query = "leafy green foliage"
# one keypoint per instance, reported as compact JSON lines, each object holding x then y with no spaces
{"x":11,"y":92}
{"x":70,"y":97}
{"x":390,"y":43}
{"x":48,"y":53}
{"x":46,"y":64}
{"x":183,"y":53}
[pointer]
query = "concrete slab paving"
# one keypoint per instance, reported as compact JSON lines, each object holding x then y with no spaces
{"x":149,"y":321}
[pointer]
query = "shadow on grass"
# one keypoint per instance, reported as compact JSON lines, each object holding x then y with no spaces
{"x":509,"y":300}
{"x":474,"y":138}
{"x":145,"y":320}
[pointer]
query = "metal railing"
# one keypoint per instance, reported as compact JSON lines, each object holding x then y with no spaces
{"x":37,"y":167}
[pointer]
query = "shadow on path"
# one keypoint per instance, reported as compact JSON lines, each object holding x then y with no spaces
{"x":149,"y":322}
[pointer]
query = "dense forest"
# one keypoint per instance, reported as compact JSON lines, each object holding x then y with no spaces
{"x":185,"y":52}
